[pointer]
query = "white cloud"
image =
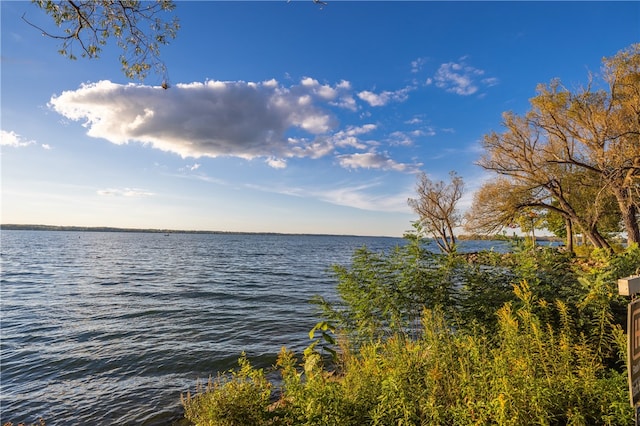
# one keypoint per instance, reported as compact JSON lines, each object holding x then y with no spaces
{"x":46,"y":146}
{"x":276,"y":163}
{"x":365,"y":197}
{"x":13,"y":139}
{"x":240,"y":119}
{"x":417,"y":64}
{"x":350,"y":136}
{"x":407,"y":138}
{"x":125,"y":192}
{"x":317,"y":148}
{"x":211,"y":119}
{"x":460,"y":78}
{"x":374,"y":160}
{"x":383,"y":98}
{"x":491,"y":81}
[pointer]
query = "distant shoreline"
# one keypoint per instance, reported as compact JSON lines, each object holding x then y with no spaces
{"x":27,"y":227}
{"x":23,"y":227}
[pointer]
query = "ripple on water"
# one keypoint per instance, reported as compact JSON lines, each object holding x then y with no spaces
{"x":110,"y":328}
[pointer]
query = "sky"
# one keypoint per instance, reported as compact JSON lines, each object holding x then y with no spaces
{"x":282,"y":116}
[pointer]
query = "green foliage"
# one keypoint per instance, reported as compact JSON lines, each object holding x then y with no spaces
{"x":135,"y":25}
{"x":237,"y":399}
{"x":533,"y":336}
{"x":382,"y":294}
{"x":528,"y":372}
{"x":327,"y":341}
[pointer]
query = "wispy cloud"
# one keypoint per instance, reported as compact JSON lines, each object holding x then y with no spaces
{"x":461,"y":78}
{"x":366,"y":197}
{"x":125,"y":192}
{"x":407,"y":138}
{"x":374,"y":160}
{"x":14,"y":140}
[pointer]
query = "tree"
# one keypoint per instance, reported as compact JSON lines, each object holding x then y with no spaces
{"x":577,"y":151}
{"x":519,"y":155}
{"x":560,"y":226}
{"x":496,"y":205}
{"x":436,"y":207}
{"x":136,"y":25}
{"x":599,"y":131}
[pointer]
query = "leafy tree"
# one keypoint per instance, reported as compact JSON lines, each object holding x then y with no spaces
{"x":436,"y":206}
{"x":573,"y":153}
{"x":598,"y":131}
{"x":519,"y":154}
{"x":137,"y":26}
{"x":496,"y":205}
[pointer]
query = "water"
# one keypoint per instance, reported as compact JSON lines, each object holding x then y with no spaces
{"x":110,"y":328}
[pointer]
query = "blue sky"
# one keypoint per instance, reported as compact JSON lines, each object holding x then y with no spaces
{"x":283,"y":116}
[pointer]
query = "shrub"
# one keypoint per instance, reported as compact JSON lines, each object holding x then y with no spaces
{"x":529,"y":337}
{"x":528,"y":372}
{"x":239,"y":398}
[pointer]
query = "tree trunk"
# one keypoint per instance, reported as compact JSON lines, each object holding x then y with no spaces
{"x":569,"y":227}
{"x":631,"y":225}
{"x":629,"y":213}
{"x":590,"y":230}
{"x":598,"y":240}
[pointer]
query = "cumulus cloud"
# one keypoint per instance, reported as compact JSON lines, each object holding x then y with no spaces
{"x":460,"y":78}
{"x":125,"y":192}
{"x":214,"y":118}
{"x":248,"y":120}
{"x":383,"y":98}
{"x":13,"y":139}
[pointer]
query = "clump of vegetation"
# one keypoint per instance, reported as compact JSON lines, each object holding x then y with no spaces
{"x":241,"y":398}
{"x":541,"y":356}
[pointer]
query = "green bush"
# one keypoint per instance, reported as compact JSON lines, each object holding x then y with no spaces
{"x":527,"y":373}
{"x":533,"y":337}
{"x":240,"y":398}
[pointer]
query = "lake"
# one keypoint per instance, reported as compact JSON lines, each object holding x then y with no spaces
{"x":108,"y":328}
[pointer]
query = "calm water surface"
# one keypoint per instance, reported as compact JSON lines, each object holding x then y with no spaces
{"x":109,"y":328}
